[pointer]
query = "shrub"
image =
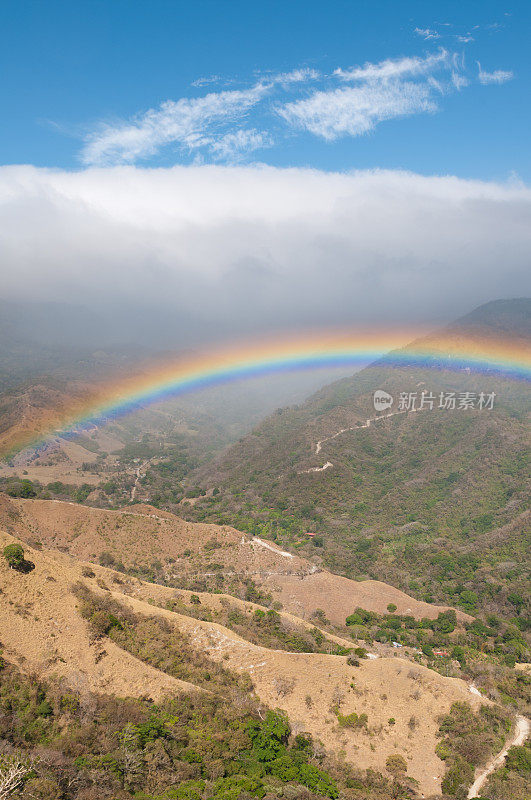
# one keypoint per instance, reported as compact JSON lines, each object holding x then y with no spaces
{"x":396,"y":765}
{"x":468,"y":600}
{"x":519,"y":759}
{"x":83,"y":492}
{"x":44,"y":709}
{"x":469,"y":740}
{"x":196,"y":746}
{"x":516,"y":600}
{"x":460,"y":774}
{"x":447,"y":620}
{"x":21,"y":489}
{"x":88,"y":573}
{"x":354,"y":619}
{"x":352,"y":720}
{"x":270,"y":736}
{"x":13,"y":772}
{"x":106,"y":559}
{"x":156,"y":642}
{"x":14,"y":555}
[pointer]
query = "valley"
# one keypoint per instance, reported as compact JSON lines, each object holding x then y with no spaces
{"x":362,"y":577}
{"x":265,"y":395}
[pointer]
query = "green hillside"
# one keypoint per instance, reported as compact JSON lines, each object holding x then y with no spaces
{"x":434,"y":502}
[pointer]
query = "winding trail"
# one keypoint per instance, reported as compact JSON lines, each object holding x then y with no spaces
{"x":318,"y":469}
{"x":139,"y":476}
{"x":520,"y":735}
{"x":358,"y":427}
{"x":267,"y":546}
{"x":320,"y":443}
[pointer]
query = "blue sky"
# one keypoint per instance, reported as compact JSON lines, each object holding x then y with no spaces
{"x":331,"y":85}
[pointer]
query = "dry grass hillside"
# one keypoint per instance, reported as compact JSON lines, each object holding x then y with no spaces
{"x":30,"y":410}
{"x":42,"y":631}
{"x":185,"y":550}
{"x":308,"y":685}
{"x":61,"y":460}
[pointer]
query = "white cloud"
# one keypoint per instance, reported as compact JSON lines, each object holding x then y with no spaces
{"x":459,"y":81}
{"x":190,"y":123}
{"x":228,"y":124}
{"x":383,"y":91}
{"x":426,"y":33}
{"x":498,"y":76}
{"x":356,"y":110}
{"x":219,"y":250}
{"x":296,"y":76}
{"x":394,"y":68}
{"x":233,"y":145}
{"x":206,"y":81}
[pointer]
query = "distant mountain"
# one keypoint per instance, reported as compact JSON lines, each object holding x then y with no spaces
{"x":434,"y":502}
{"x":501,"y":316}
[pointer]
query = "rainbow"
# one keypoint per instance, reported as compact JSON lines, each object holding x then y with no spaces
{"x":161,"y":381}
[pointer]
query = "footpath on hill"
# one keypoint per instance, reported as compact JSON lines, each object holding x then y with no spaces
{"x":520,"y":735}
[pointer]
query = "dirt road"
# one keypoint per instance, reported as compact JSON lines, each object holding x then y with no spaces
{"x":139,"y":475}
{"x":520,"y":735}
{"x":356,"y":427}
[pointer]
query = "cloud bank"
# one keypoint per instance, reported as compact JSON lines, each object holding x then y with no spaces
{"x":216,"y":251}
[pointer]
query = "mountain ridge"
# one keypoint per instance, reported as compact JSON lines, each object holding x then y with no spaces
{"x":458,"y":474}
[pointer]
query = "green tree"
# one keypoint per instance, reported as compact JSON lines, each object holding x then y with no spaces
{"x":14,"y":555}
{"x":270,"y":736}
{"x":469,"y":600}
{"x":21,"y":489}
{"x":516,"y":600}
{"x":447,"y":620}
